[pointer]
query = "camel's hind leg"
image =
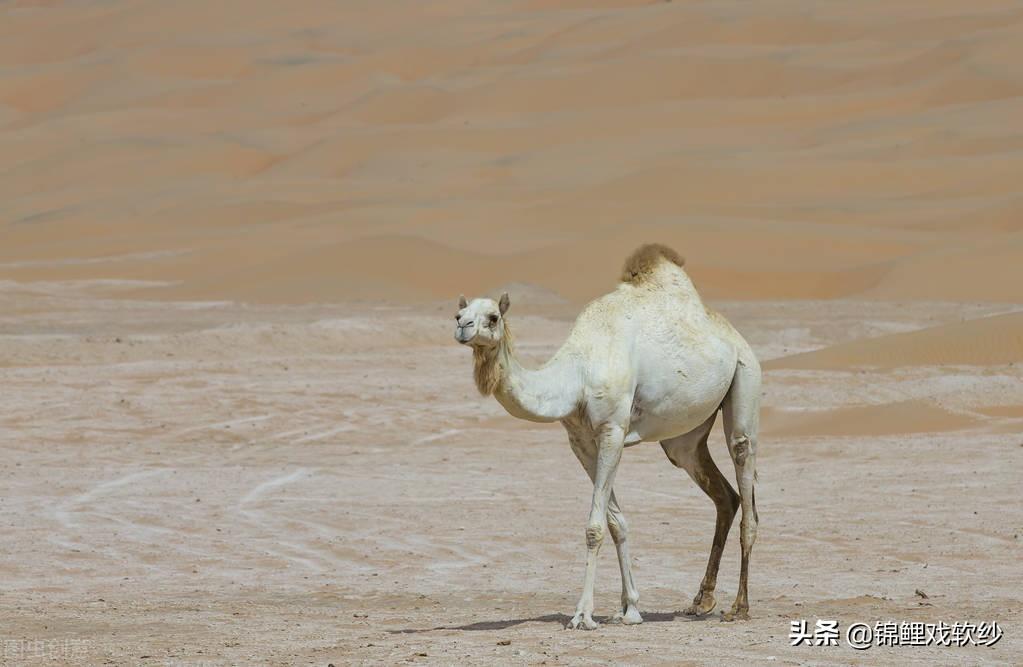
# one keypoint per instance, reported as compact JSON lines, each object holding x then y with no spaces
{"x":741,"y":411}
{"x":690,"y":453}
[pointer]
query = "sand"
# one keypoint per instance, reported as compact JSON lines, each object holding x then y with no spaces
{"x":252,"y":151}
{"x":233,"y":485}
{"x":977,"y":342}
{"x":236,"y":430}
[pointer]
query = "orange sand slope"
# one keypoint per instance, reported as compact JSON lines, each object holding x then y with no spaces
{"x":409,"y":150}
{"x":867,"y":420}
{"x":989,"y":340}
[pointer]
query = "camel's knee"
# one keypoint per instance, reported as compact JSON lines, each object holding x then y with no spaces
{"x":617,"y":526}
{"x":594,"y":535}
{"x":741,"y":447}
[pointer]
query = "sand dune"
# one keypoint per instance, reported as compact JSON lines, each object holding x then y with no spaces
{"x":798,"y":150}
{"x":989,"y":340}
{"x":1010,"y":411}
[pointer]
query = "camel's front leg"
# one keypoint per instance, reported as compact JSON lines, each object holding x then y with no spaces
{"x":610,"y":443}
{"x":629,"y":614}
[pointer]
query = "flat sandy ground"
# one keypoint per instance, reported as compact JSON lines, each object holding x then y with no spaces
{"x":219,"y":485}
{"x":235,"y":428}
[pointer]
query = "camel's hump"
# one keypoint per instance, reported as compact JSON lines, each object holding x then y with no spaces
{"x":642,"y":262}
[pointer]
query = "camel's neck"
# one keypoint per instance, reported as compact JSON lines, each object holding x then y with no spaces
{"x":549,"y":393}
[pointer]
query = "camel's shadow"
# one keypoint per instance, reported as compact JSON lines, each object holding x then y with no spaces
{"x":560,"y":619}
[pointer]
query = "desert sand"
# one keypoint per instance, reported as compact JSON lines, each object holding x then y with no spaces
{"x":236,"y":430}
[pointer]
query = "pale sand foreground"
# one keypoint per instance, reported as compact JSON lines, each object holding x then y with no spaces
{"x":222,"y":485}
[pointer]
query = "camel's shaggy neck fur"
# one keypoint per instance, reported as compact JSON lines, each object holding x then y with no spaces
{"x":489,"y":363}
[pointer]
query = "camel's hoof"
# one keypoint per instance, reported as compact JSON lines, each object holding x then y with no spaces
{"x":631,"y":616}
{"x":702,"y":606}
{"x":582,"y":621}
{"x":735,"y":615}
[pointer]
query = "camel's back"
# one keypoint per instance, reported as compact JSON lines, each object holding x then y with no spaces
{"x":659,"y":316}
{"x":655,"y":304}
{"x":655,"y":308}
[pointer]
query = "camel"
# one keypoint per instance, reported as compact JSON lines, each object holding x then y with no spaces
{"x":646,"y":362}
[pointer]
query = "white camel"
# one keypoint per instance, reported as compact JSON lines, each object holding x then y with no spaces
{"x":646,"y":362}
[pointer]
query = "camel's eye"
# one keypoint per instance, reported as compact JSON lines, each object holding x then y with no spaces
{"x":493,"y":320}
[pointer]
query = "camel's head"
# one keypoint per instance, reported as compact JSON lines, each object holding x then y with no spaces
{"x":480,"y":322}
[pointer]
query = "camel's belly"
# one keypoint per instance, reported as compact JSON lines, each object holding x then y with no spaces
{"x":649,"y":427}
{"x":664,"y":409}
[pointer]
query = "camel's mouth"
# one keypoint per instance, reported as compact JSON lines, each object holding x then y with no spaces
{"x":463,"y":336}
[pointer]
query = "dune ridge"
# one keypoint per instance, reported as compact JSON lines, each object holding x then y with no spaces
{"x":989,"y":340}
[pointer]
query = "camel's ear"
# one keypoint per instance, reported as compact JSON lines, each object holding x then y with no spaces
{"x":462,"y":303}
{"x":504,"y":303}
